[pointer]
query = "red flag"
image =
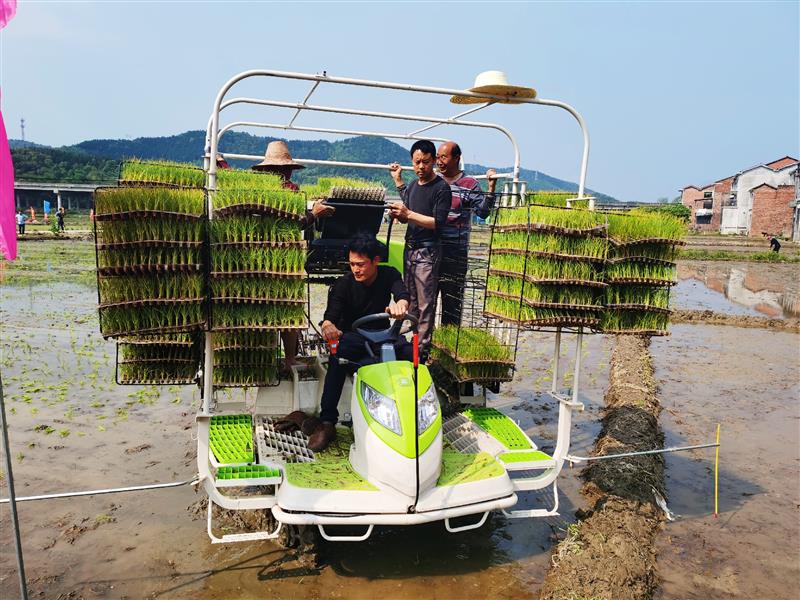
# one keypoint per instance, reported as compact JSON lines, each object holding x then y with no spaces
{"x":8,"y":233}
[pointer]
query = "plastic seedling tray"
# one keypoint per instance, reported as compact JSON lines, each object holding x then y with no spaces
{"x":231,"y":440}
{"x":246,"y":475}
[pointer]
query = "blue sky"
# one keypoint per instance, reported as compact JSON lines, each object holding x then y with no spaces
{"x":673,"y":93}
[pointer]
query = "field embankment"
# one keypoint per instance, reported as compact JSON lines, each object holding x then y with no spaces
{"x":609,"y":552}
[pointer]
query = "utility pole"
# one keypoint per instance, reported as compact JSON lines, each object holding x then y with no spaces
{"x":22,"y":127}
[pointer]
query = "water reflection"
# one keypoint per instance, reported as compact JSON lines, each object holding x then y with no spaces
{"x":758,"y":289}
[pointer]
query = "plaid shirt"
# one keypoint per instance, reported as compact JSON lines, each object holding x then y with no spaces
{"x":468,"y":199}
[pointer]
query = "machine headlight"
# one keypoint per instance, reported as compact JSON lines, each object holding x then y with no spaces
{"x":427,"y":409}
{"x":382,"y":408}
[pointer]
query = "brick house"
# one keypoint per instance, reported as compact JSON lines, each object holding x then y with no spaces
{"x":773,"y":213}
{"x":763,"y":198}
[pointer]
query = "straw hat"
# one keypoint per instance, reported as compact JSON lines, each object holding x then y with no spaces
{"x":495,"y":83}
{"x":277,"y":155}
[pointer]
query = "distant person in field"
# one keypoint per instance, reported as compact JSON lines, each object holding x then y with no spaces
{"x":60,"y":218}
{"x":222,"y":163}
{"x":468,"y":201}
{"x":425,"y":204}
{"x":21,"y":218}
{"x":774,"y":244}
{"x":278,"y":161}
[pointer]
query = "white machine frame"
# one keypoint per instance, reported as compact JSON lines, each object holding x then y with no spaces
{"x":513,"y":188}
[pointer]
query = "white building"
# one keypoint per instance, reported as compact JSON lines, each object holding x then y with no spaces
{"x":737,"y":211}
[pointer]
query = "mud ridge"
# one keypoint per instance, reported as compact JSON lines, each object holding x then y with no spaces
{"x":610,"y":552}
{"x":709,"y":317}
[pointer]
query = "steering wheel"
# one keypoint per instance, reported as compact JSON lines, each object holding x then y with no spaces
{"x":384,"y":335}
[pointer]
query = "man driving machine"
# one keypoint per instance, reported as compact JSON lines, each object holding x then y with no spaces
{"x":367,"y":289}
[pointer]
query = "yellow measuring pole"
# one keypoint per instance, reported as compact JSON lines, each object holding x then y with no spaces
{"x":716,"y":476}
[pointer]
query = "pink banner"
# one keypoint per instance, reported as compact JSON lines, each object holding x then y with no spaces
{"x":8,"y":8}
{"x":8,"y":231}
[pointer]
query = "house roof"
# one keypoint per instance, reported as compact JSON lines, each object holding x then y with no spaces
{"x":774,"y":162}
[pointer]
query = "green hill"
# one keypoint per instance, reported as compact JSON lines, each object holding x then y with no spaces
{"x":94,"y":160}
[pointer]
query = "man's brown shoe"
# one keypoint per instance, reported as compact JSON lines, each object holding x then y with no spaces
{"x":310,"y":425}
{"x":291,"y":422}
{"x":323,"y":435}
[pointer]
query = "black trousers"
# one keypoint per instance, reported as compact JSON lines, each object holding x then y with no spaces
{"x":352,"y":347}
{"x":452,"y":277}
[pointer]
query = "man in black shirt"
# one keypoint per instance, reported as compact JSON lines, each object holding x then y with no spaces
{"x":426,"y":203}
{"x":368,"y":289}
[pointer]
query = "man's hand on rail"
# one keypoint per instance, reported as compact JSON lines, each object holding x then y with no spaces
{"x":396,"y":171}
{"x":322,"y":210}
{"x":399,"y":211}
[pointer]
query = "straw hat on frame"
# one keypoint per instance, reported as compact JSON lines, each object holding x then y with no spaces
{"x":495,"y":83}
{"x":277,"y":155}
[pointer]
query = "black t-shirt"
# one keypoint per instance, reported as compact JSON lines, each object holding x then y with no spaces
{"x":349,"y":300}
{"x":432,"y":200}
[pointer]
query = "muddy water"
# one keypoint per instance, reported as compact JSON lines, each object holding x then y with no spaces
{"x":739,"y":288}
{"x":72,"y":428}
{"x":746,"y":380}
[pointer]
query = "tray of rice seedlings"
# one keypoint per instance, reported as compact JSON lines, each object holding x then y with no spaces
{"x":273,"y":261}
{"x":636,"y":322}
{"x":255,"y":290}
{"x":154,"y":289}
{"x":137,"y":259}
{"x":563,"y":221}
{"x":641,"y":272}
{"x":245,"y":179}
{"x":246,"y":367}
{"x":158,"y":360}
{"x":115,"y":204}
{"x":324,"y":186}
{"x":246,"y":340}
{"x":638,"y":297}
{"x":645,"y":228}
{"x":472,"y":354}
{"x":232,"y":316}
{"x":255,"y":230}
{"x":280,"y":202}
{"x":161,"y":172}
{"x":150,"y":318}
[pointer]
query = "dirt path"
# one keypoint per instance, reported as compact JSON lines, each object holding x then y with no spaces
{"x":609,"y":553}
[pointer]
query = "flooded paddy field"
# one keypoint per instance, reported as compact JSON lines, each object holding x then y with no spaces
{"x":72,"y":428}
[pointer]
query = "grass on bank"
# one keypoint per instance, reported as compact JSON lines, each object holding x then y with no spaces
{"x":728,"y":255}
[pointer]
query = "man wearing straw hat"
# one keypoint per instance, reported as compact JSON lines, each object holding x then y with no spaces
{"x":278,"y":161}
{"x":468,"y":200}
{"x":424,"y":207}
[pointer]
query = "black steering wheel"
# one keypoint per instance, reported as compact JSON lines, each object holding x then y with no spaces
{"x":383,"y":335}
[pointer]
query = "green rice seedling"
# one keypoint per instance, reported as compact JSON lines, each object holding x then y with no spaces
{"x":470,"y":344}
{"x":635,"y":321}
{"x":512,"y":217}
{"x":551,"y":268}
{"x":567,"y":219}
{"x":589,"y":247}
{"x":246,"y":340}
{"x":562,"y":294}
{"x":149,"y":256}
{"x":279,"y":201}
{"x":130,"y":320}
{"x":472,"y":371}
{"x":244,"y":376}
{"x":324,"y":185}
{"x":258,"y":287}
{"x":250,"y":358}
{"x":251,"y":316}
{"x":289,"y":260}
{"x":109,"y":201}
{"x":148,"y":230}
{"x":254,"y":229}
{"x":640,"y":270}
{"x":509,"y":286}
{"x":655,"y":296}
{"x":162,"y":172}
{"x":665,"y":252}
{"x":241,"y":179}
{"x":509,"y":310}
{"x":157,"y":373}
{"x":150,"y":287}
{"x":511,"y":263}
{"x":642,"y":224}
{"x":510,"y":240}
